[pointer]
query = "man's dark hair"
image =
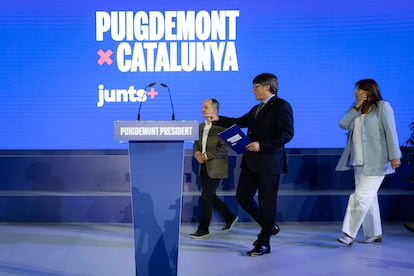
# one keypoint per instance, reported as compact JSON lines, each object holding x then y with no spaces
{"x":267,"y":79}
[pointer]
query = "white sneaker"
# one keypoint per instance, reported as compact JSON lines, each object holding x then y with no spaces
{"x":346,"y":240}
{"x":371,"y":239}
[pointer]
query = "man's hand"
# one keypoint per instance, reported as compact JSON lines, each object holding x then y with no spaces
{"x":211,"y":117}
{"x":253,"y":146}
{"x":201,"y":158}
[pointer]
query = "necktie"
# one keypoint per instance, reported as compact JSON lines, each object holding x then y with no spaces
{"x":258,"y":109}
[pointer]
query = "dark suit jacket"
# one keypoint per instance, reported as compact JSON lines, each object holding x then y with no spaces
{"x":217,"y":152}
{"x":272,"y":128}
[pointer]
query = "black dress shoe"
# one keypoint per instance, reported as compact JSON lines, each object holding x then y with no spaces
{"x":275,"y":230}
{"x":230,"y":224}
{"x":259,"y":250}
{"x":200,"y":234}
{"x":409,"y":226}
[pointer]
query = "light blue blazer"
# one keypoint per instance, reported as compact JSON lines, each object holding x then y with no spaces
{"x":379,"y":138}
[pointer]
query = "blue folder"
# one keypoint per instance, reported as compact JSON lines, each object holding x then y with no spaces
{"x":235,"y":138}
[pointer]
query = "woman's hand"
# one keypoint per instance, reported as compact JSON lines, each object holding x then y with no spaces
{"x":395,"y":163}
{"x":360,"y":97}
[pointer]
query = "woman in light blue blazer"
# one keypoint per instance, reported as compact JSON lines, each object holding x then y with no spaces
{"x":373,"y":151}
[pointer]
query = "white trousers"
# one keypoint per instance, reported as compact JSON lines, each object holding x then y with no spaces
{"x":363,"y":208}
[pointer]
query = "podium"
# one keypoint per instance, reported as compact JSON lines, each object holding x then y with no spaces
{"x":156,"y":159}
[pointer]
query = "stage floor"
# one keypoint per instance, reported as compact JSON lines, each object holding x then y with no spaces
{"x":301,"y":248}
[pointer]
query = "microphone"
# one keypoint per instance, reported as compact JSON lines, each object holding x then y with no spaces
{"x":140,"y":104}
{"x":172,"y":106}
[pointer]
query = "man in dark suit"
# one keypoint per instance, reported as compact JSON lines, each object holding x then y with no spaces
{"x":211,"y":152}
{"x":269,"y":128}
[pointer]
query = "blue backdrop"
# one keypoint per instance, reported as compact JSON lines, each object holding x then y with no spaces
{"x":59,"y":57}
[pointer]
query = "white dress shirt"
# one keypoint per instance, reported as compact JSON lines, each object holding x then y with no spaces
{"x":207,"y":127}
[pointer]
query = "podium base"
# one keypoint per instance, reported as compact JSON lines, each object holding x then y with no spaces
{"x":156,"y":184}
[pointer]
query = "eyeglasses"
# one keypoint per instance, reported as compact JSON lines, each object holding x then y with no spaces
{"x":256,"y":86}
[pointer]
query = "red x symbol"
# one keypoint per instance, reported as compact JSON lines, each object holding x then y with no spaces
{"x":152,"y":93}
{"x":105,"y":57}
